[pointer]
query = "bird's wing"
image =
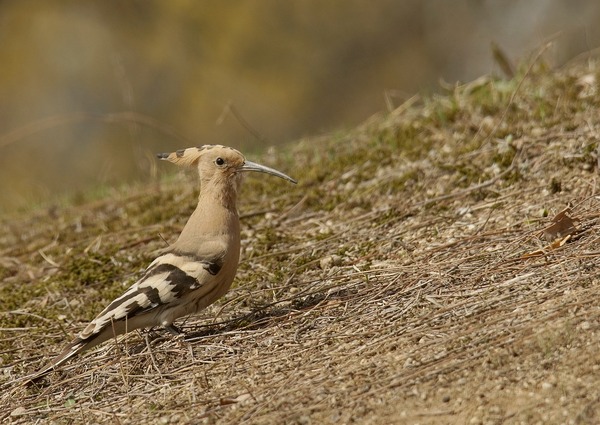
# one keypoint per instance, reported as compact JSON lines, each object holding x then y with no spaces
{"x":168,"y":279}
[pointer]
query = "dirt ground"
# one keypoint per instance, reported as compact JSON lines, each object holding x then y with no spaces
{"x":439,"y":264}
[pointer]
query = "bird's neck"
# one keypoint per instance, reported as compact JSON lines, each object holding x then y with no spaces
{"x":219,"y":193}
{"x":215,"y":216}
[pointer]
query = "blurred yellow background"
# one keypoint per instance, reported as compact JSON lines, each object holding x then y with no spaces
{"x":89,"y":90}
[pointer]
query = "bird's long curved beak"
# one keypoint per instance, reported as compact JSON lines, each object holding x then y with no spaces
{"x":252,"y":166}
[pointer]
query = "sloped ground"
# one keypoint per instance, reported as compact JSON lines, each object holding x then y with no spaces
{"x":419,"y":273}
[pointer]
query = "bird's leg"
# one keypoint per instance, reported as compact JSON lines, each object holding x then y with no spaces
{"x":180,"y":338}
{"x":178,"y":335}
{"x":173,"y":330}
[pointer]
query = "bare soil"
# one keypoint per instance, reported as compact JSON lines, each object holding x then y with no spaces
{"x":439,"y":264}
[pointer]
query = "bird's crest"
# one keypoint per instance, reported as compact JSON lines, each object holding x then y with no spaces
{"x":190,"y":156}
{"x":184,"y":157}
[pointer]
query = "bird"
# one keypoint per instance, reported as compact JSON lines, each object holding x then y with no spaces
{"x":193,"y":272}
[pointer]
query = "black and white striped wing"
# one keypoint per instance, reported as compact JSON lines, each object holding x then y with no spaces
{"x":167,"y":280}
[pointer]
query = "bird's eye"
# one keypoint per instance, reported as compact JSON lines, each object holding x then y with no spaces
{"x":219,"y":161}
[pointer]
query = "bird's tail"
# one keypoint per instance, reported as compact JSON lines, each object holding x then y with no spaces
{"x":82,"y":344}
{"x":74,"y":348}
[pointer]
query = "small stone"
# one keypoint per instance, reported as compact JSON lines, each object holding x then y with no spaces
{"x":547,"y":386}
{"x":537,"y":132}
{"x":304,"y":420}
{"x":446,"y":399}
{"x":18,"y":411}
{"x":487,"y":124}
{"x":329,"y":261}
{"x":585,"y":326}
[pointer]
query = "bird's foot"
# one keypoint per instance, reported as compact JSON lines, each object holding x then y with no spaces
{"x":173,"y":330}
{"x":179,"y":337}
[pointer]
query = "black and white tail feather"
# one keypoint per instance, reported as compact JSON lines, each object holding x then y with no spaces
{"x":193,"y":272}
{"x":155,"y":299}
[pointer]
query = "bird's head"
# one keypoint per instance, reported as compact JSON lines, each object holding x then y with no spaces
{"x":218,"y":164}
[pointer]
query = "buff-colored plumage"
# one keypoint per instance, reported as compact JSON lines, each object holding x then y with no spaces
{"x":194,"y":271}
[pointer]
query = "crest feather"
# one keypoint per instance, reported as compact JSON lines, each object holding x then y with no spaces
{"x":183,"y":157}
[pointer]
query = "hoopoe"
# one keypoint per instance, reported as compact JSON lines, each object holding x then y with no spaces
{"x":193,"y":272}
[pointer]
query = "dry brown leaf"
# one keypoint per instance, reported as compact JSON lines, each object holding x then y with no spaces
{"x":554,"y":245}
{"x":559,"y":233}
{"x":562,"y":225}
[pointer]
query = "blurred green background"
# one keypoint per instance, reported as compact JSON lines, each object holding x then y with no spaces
{"x":89,"y":90}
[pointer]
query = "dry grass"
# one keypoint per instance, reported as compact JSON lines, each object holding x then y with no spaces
{"x":392,"y":286}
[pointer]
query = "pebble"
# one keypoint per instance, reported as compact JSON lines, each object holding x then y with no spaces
{"x":547,"y":386}
{"x":536,"y":132}
{"x":18,"y":411}
{"x":329,"y":261}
